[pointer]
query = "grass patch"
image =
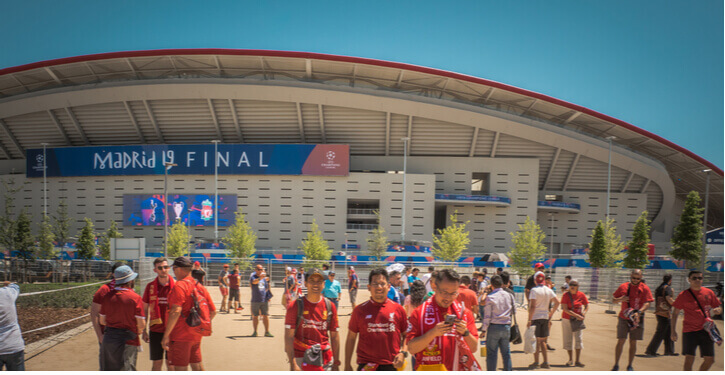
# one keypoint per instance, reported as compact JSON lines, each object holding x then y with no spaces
{"x":73,"y":298}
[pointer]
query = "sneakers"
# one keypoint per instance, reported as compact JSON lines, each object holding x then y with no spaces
{"x":545,"y":365}
{"x":630,"y":368}
{"x":650,"y":354}
{"x":579,"y":364}
{"x":534,"y":365}
{"x":549,"y":347}
{"x":570,"y":364}
{"x":267,"y":334}
{"x":254,"y":334}
{"x":615,"y":368}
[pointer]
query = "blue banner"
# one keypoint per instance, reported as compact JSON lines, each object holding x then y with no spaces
{"x":473,"y":198}
{"x":558,"y":204}
{"x":190,"y":210}
{"x":237,"y":159}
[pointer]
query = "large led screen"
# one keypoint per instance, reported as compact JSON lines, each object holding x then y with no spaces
{"x":191,"y":210}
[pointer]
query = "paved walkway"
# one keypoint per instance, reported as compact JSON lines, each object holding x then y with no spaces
{"x":231,"y":349}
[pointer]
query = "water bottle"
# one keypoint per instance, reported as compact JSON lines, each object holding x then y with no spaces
{"x":483,"y":347}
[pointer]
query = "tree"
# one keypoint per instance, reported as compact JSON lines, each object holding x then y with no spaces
{"x":86,"y":246}
{"x":528,"y":246}
{"x":315,"y":247}
{"x":178,"y":240}
{"x":23,"y":241}
{"x":61,"y":224}
{"x":377,"y":242}
{"x":638,"y":247}
{"x":687,"y":237}
{"x":451,"y":240}
{"x":241,"y":239}
{"x":46,"y":250}
{"x":605,"y":250}
{"x":105,"y":245}
{"x":7,"y":220}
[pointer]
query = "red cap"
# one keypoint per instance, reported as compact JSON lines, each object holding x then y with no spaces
{"x":539,"y":265}
{"x":197,"y":263}
{"x":226,"y":266}
{"x":294,"y":270}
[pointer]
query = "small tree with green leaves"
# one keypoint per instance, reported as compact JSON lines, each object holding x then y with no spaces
{"x":105,"y":243}
{"x":86,"y":246}
{"x":24,"y":243}
{"x":46,"y":250}
{"x":178,"y":239}
{"x":315,"y":247}
{"x":377,"y":241}
{"x":687,"y":237}
{"x":241,"y":240}
{"x":528,"y":246}
{"x":450,"y":242}
{"x":7,"y":220}
{"x":61,"y":224}
{"x":638,"y":247}
{"x":605,"y":250}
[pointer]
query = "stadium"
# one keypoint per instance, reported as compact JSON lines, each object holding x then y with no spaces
{"x":494,"y":153}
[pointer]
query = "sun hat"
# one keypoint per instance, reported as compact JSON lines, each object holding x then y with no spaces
{"x":124,"y":274}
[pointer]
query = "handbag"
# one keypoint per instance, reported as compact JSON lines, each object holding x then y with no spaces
{"x":576,"y":324}
{"x":709,"y":325}
{"x":515,"y":337}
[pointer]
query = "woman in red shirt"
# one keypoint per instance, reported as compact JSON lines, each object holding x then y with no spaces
{"x":575,"y":305}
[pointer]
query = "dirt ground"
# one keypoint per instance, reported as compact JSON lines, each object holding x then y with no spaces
{"x":31,"y":318}
{"x":231,"y":349}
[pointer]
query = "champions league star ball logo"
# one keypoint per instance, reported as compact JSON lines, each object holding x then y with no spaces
{"x":330,"y":156}
{"x":39,"y":159}
{"x":329,"y":163}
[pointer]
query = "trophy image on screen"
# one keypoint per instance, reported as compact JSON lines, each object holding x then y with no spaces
{"x":178,"y":207}
{"x":152,"y":215}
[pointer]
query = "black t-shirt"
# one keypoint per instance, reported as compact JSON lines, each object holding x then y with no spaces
{"x":530,"y":283}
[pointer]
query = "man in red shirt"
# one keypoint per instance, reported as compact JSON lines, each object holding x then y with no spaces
{"x":155,"y":305}
{"x":699,"y":304}
{"x":181,"y":341}
{"x":635,"y":297}
{"x":319,"y":316}
{"x":434,"y":337}
{"x":381,"y":325}
{"x":123,"y":316}
{"x":467,"y":296}
{"x":96,"y":311}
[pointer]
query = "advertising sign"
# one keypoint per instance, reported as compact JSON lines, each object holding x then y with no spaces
{"x":191,"y":210}
{"x":237,"y":159}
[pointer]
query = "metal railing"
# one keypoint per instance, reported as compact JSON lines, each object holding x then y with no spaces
{"x":361,"y":226}
{"x":361,"y":211}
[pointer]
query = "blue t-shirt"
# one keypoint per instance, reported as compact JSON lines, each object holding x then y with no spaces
{"x":332,"y":289}
{"x":411,"y":279}
{"x":258,"y":290}
{"x":396,"y":296}
{"x":11,"y":340}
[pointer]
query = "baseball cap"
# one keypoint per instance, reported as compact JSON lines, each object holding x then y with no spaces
{"x":182,"y":262}
{"x":539,"y":265}
{"x":124,"y":274}
{"x":196,"y":264}
{"x":330,"y":273}
{"x":314,"y":271}
{"x":226,"y":266}
{"x":351,"y":268}
{"x":294,"y":270}
{"x":539,"y":278}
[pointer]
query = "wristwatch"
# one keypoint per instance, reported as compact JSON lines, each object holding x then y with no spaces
{"x":405,"y":354}
{"x":466,"y":333}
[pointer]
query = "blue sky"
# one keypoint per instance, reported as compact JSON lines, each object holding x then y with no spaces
{"x":655,"y":64}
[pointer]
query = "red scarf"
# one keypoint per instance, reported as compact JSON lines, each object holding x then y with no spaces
{"x":463,"y":359}
{"x":156,"y":317}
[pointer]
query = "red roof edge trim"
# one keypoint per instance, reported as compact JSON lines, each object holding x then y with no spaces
{"x":360,"y":60}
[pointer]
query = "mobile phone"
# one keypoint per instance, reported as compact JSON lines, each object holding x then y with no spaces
{"x":450,"y":319}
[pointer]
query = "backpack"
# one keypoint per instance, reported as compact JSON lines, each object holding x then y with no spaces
{"x":199,"y":317}
{"x":301,"y":307}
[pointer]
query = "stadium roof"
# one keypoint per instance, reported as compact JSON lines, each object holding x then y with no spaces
{"x":684,"y":167}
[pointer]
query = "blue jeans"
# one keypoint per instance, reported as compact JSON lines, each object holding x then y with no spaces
{"x":497,"y":338}
{"x":13,"y":362}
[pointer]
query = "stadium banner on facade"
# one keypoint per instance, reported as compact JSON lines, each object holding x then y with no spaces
{"x":245,"y":159}
{"x":191,"y":209}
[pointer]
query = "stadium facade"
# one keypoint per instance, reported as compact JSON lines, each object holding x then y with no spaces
{"x":495,"y":153}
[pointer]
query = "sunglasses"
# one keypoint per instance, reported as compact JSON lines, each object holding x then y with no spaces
{"x":636,"y":278}
{"x":161,"y":268}
{"x":697,"y":278}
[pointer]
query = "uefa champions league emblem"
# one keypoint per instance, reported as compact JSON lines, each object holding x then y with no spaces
{"x":330,"y":156}
{"x":178,"y":207}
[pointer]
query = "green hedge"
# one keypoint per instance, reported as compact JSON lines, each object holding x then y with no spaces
{"x":73,"y":298}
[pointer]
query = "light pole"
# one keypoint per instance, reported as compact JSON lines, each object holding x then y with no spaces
{"x":551,"y":243}
{"x":405,"y":174}
{"x":45,"y":182}
{"x":704,"y":225}
{"x":167,"y":165}
{"x":609,"y":173}
{"x":216,"y":191}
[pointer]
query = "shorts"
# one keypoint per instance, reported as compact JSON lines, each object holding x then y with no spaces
{"x":542,"y":327}
{"x":156,"y":352}
{"x":353,"y":296}
{"x":692,"y":340}
{"x":224,"y":290}
{"x":260,"y":308}
{"x":181,"y":353}
{"x":623,"y":330}
{"x":233,"y":295}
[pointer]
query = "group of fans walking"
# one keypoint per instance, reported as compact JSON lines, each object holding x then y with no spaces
{"x":428,"y":320}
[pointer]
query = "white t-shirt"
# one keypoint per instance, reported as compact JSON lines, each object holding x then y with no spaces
{"x":404,"y":280}
{"x":540,"y":297}
{"x":425,"y":279}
